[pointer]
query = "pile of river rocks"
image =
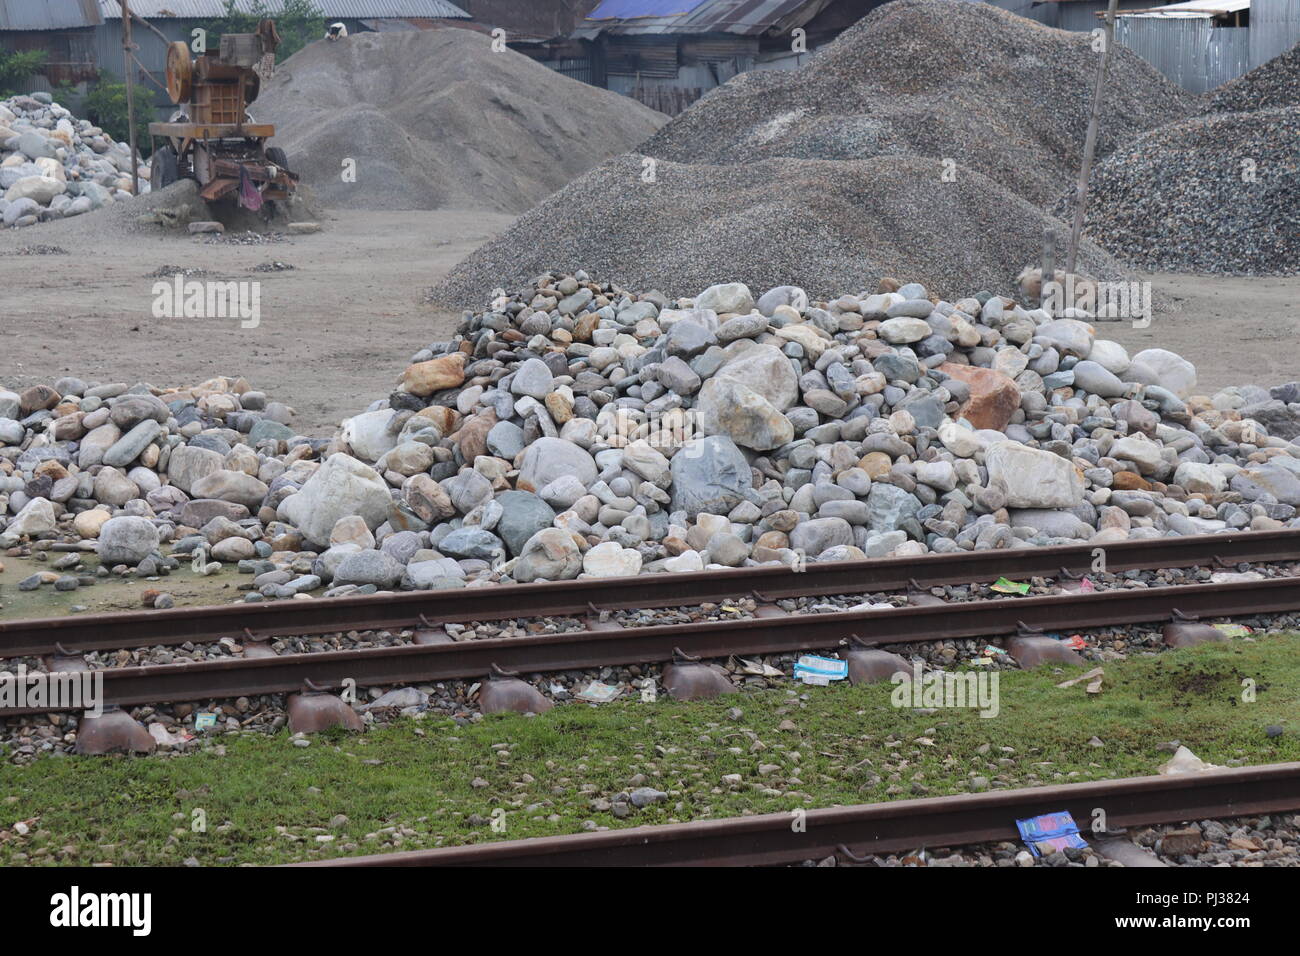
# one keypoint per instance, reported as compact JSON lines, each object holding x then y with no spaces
{"x":573,"y":428}
{"x":53,"y":165}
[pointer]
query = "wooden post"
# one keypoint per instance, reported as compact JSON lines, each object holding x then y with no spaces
{"x":1049,"y":263}
{"x":130,"y":96}
{"x":1090,"y":144}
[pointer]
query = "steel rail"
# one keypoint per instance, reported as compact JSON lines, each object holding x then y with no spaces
{"x":576,"y":650}
{"x":78,"y":634}
{"x":877,"y":828}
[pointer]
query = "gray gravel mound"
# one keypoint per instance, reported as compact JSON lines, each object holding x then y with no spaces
{"x":999,"y":94}
{"x":822,"y":224}
{"x":1273,"y":84}
{"x":1181,"y":198}
{"x":435,"y":119}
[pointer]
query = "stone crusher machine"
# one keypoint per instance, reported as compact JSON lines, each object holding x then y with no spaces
{"x":211,"y":138}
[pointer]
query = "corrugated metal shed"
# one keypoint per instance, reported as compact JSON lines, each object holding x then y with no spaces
{"x":1199,"y":9}
{"x":626,"y":9}
{"x":1274,"y":29}
{"x":48,"y":14}
{"x":1191,"y":51}
{"x":333,"y":9}
{"x":746,"y":17}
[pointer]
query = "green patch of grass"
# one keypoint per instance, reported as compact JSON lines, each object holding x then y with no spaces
{"x":424,"y":783}
{"x":112,"y":593}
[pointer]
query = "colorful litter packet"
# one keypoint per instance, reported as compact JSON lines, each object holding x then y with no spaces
{"x":1050,"y":832}
{"x":1003,"y":586}
{"x":820,"y":671}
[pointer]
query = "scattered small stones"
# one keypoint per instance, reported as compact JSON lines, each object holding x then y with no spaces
{"x":167,"y":272}
{"x":1241,"y":841}
{"x":246,"y":238}
{"x":39,"y":249}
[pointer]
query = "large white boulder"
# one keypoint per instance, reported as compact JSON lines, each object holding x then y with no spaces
{"x":1032,"y":478}
{"x":342,"y":486}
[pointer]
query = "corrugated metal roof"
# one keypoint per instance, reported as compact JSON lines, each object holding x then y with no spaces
{"x":1195,"y":9}
{"x":746,"y":17}
{"x":626,"y":9}
{"x":48,"y":14}
{"x":330,"y":9}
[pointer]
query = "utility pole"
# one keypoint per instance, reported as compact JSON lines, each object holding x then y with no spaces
{"x":130,"y":96}
{"x":1049,"y":265}
{"x":1090,"y":144}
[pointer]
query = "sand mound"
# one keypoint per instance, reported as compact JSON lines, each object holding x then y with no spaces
{"x":435,"y":119}
{"x":999,"y":94}
{"x":821,"y":224}
{"x":1216,"y":193}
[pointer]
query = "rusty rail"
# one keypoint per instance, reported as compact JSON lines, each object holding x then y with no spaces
{"x":78,"y":634}
{"x":881,"y":827}
{"x":576,"y":650}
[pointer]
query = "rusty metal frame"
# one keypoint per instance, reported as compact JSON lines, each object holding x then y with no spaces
{"x":577,"y":650}
{"x":43,"y":636}
{"x":877,"y":828}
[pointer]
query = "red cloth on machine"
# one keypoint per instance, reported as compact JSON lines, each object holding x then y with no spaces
{"x":249,"y":197}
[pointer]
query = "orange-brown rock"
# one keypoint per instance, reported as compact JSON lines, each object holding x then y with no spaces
{"x":472,"y":437}
{"x":994,"y":396}
{"x":585,"y":326}
{"x":425,"y":378}
{"x":37,"y":398}
{"x":445,"y":419}
{"x":675,"y":545}
{"x":773,"y":540}
{"x":876,"y":463}
{"x":1129,"y":481}
{"x":68,"y":428}
{"x":52,"y":468}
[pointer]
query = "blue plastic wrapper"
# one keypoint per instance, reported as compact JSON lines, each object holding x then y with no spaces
{"x":1050,"y":832}
{"x":820,"y":671}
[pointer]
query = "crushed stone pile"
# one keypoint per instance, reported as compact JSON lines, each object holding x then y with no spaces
{"x":828,"y":225}
{"x":436,"y":119}
{"x":1273,"y":84}
{"x":997,"y":93}
{"x":1217,"y":193}
{"x":574,"y":428}
{"x":915,"y":144}
{"x":54,"y":166}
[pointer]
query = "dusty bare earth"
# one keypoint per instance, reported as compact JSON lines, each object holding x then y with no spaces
{"x":338,"y":328}
{"x":335,"y":331}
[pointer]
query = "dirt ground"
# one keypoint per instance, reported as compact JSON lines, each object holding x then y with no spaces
{"x":338,"y":328}
{"x":334,"y":334}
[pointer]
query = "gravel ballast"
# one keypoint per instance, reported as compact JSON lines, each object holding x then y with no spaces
{"x":827,"y":225}
{"x":1217,"y":193}
{"x":1273,"y":84}
{"x":999,"y":94}
{"x":923,"y":142}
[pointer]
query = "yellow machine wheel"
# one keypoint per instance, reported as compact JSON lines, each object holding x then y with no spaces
{"x":180,"y":70}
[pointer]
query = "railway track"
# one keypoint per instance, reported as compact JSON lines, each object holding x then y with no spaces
{"x":855,"y":831}
{"x":435,"y":656}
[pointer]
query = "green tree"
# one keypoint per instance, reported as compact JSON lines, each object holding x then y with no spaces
{"x":17,"y":66}
{"x":298,"y":22}
{"x":104,"y":104}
